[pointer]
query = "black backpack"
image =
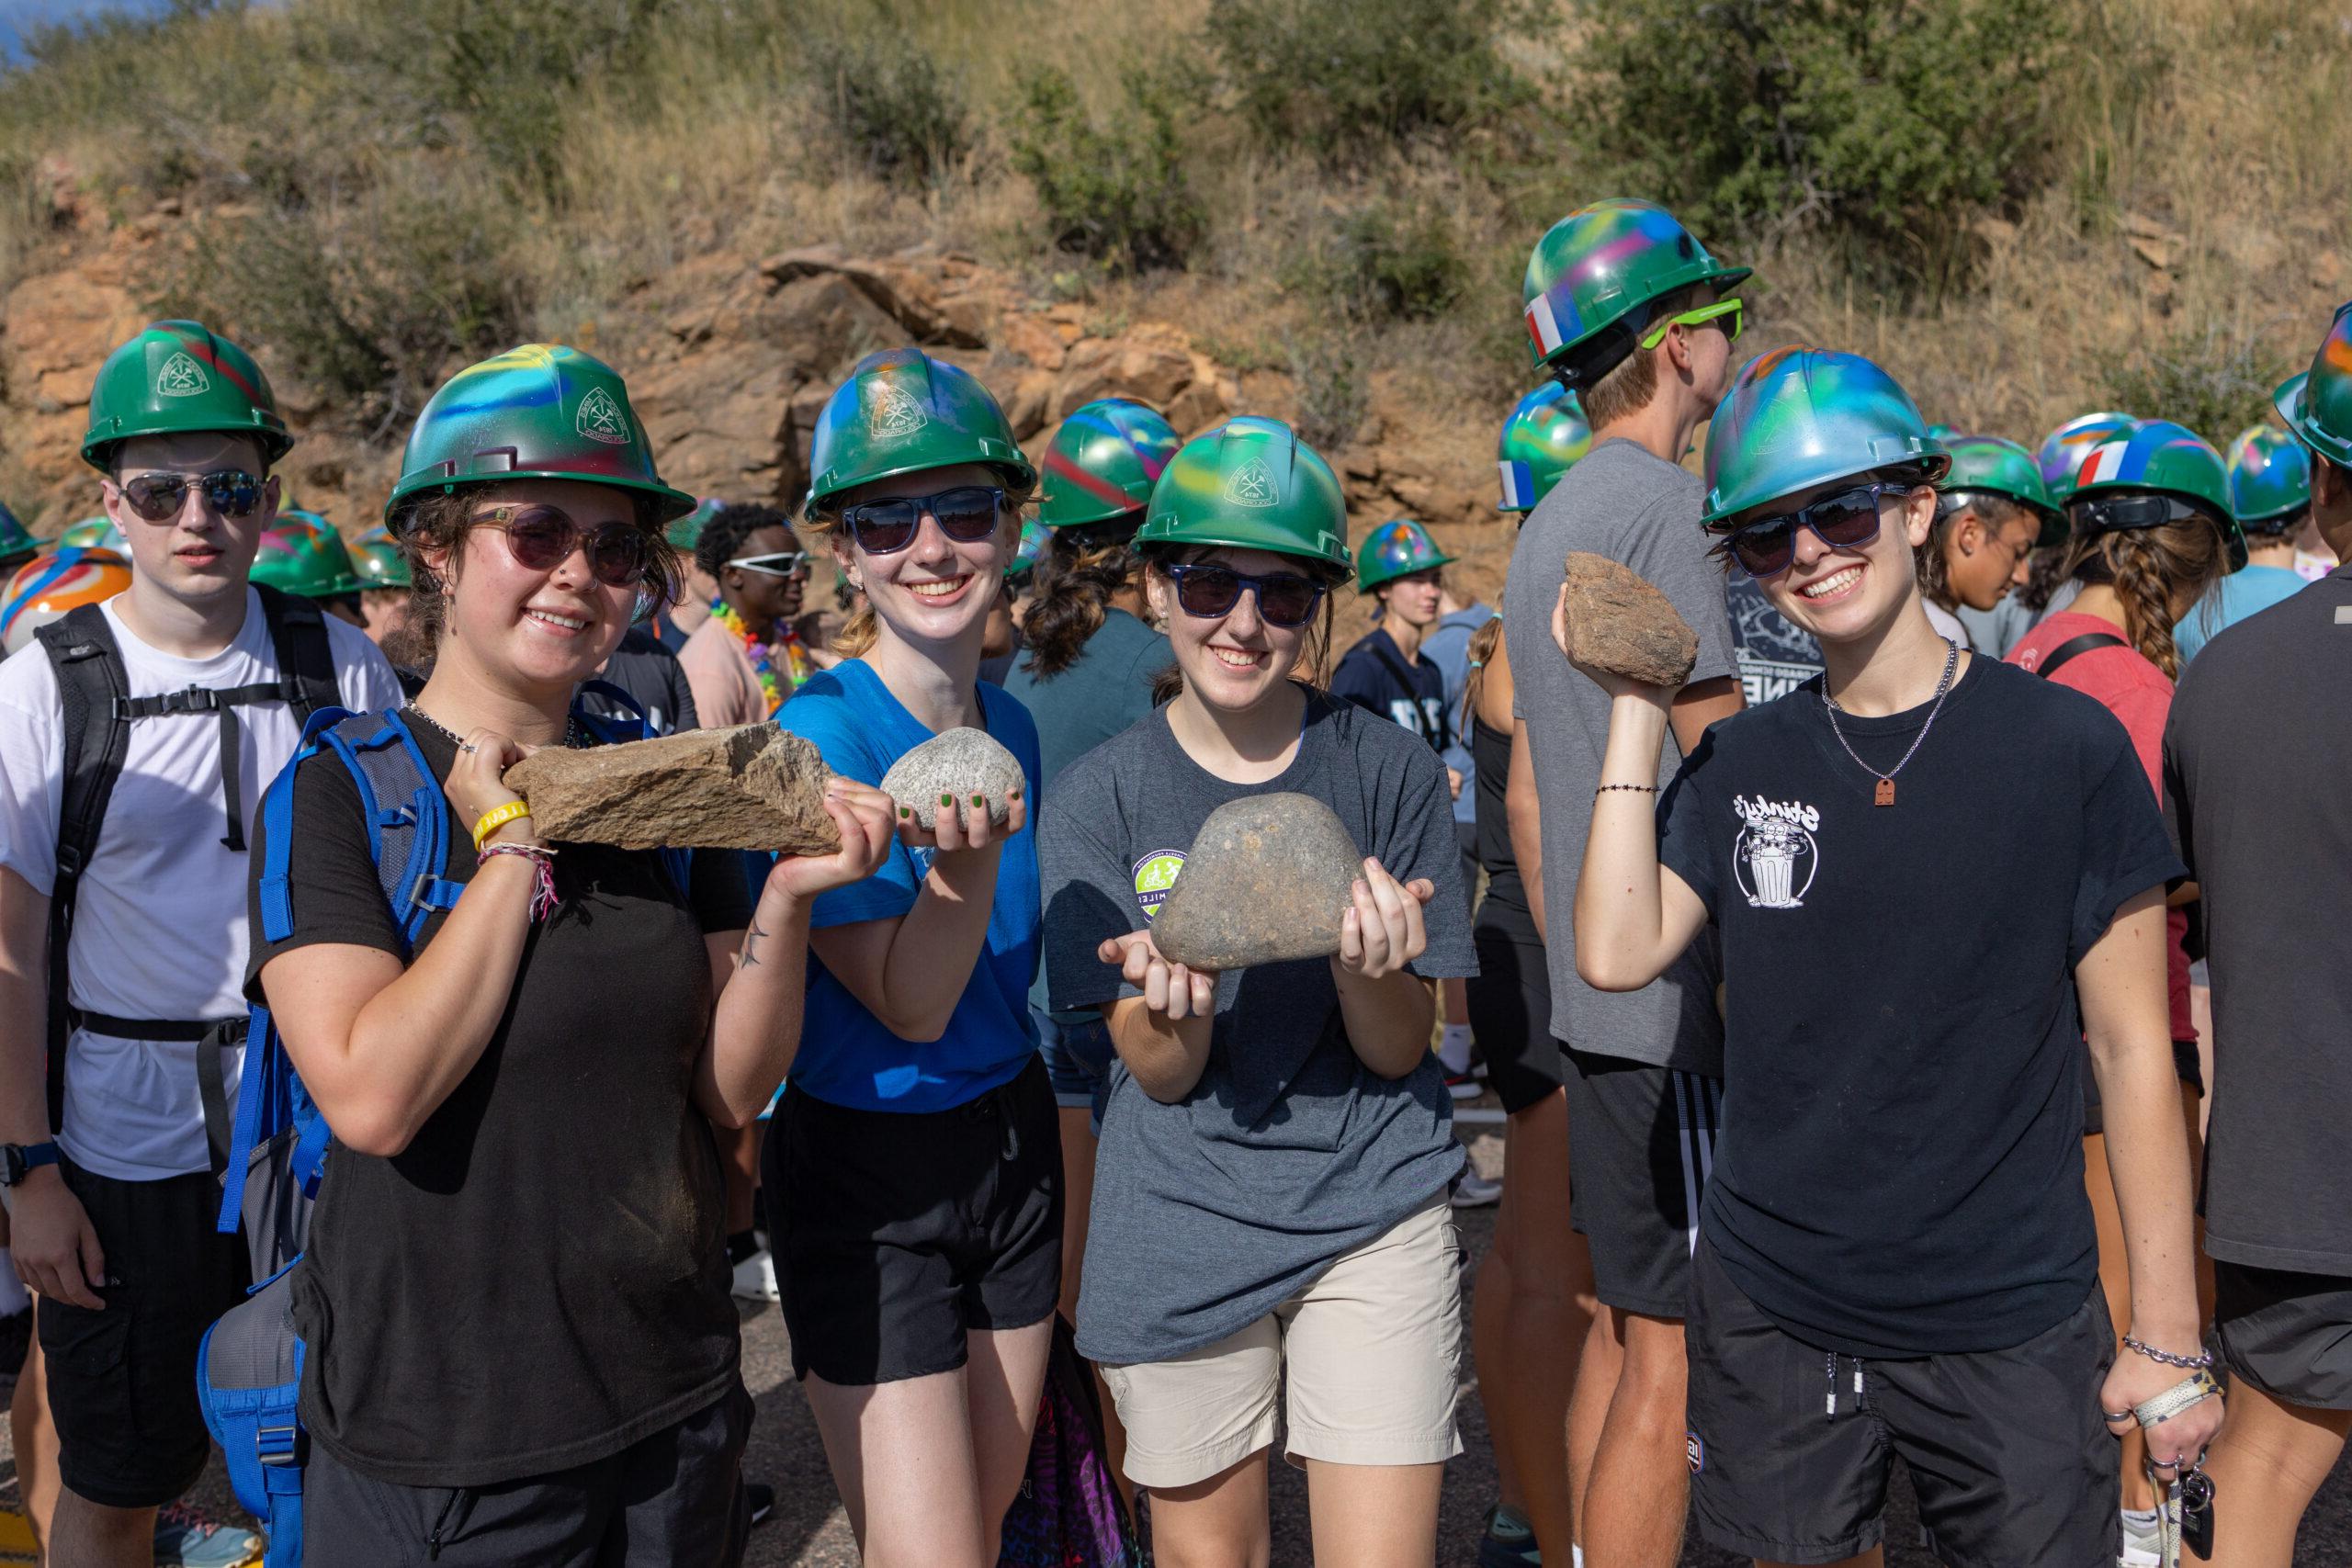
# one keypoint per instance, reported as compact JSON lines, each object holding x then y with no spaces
{"x":98,"y":709}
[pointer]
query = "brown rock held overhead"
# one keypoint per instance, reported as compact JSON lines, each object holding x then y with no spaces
{"x":1616,"y":621}
{"x":752,"y":787}
{"x":1268,"y":879}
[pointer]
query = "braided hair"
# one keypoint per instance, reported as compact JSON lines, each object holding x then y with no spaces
{"x":2152,"y":569}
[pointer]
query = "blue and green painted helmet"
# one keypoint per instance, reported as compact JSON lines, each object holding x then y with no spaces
{"x":1103,"y":461}
{"x":2271,"y":477}
{"x":1398,"y":548}
{"x":1800,"y":417}
{"x":1541,"y":440}
{"x":2062,"y":449}
{"x":2317,"y":405}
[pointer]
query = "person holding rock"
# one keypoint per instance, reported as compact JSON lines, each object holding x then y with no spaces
{"x":1992,"y":513}
{"x":1896,"y":1255}
{"x":1277,"y":1145}
{"x":745,"y":659}
{"x":585,"y":1402}
{"x":912,"y":1171}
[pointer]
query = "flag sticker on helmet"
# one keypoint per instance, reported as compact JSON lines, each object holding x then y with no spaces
{"x":1252,"y":484}
{"x":894,"y":411}
{"x":1519,"y":486}
{"x":2106,"y":462}
{"x":181,"y":377}
{"x":600,"y":419}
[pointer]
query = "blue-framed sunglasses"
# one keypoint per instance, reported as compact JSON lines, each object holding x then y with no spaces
{"x":1207,"y":589}
{"x":967,"y":513}
{"x":1845,"y":521}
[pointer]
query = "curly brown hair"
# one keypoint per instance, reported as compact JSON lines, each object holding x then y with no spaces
{"x":1083,"y":569}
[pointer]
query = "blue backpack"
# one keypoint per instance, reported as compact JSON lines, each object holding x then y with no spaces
{"x":249,"y":1369}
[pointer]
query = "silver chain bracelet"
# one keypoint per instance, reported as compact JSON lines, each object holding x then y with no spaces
{"x":2190,"y":1363}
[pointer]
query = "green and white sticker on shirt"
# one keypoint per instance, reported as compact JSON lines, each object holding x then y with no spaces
{"x":1155,"y":875}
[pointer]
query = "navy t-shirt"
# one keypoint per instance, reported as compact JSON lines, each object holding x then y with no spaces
{"x":847,"y":1055}
{"x":1900,"y":1171}
{"x":1375,"y":674}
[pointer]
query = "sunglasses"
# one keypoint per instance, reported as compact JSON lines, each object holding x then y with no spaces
{"x":232,"y":493}
{"x":782,"y":563}
{"x":1207,"y":589}
{"x":1845,"y":521}
{"x":542,"y":537}
{"x":967,"y":513}
{"x":1732,"y":308}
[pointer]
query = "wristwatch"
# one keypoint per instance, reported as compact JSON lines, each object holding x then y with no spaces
{"x":19,"y":1160}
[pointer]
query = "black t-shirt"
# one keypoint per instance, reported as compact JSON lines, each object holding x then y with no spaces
{"x":1375,"y":674}
{"x":648,"y":669}
{"x":2256,"y":753}
{"x":1900,"y":1170}
{"x":1506,"y":890}
{"x":541,"y":1279}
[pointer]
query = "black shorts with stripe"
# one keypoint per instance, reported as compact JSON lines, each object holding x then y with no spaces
{"x":1641,"y":1145}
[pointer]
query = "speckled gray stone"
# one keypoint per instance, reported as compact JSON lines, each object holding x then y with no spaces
{"x":1268,"y":879}
{"x":750,"y":787}
{"x":962,"y":762}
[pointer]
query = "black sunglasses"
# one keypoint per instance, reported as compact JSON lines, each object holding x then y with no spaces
{"x":232,"y":493}
{"x":1208,"y":589}
{"x":967,"y":513}
{"x":542,"y":537}
{"x":1845,"y":521}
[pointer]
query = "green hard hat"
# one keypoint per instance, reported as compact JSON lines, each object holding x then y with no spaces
{"x":177,"y":377}
{"x":94,"y":534}
{"x":1034,"y":541}
{"x":1103,"y":461}
{"x":2157,"y":455}
{"x":1398,"y":548}
{"x":378,"y":559}
{"x":1251,"y":484}
{"x":16,"y":541}
{"x":536,"y":411}
{"x":2271,"y":476}
{"x":1591,"y":278}
{"x":1542,"y":439}
{"x":686,"y":532}
{"x":2317,"y":405}
{"x":902,"y":411}
{"x":302,"y":554}
{"x":2004,"y":467}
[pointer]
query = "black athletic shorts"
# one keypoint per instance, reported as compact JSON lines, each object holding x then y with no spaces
{"x":1790,"y":1445}
{"x":673,"y":1498}
{"x":1641,"y":1143}
{"x":898,"y":1233}
{"x":122,"y":1381}
{"x":1510,"y":1011}
{"x":2288,"y":1335}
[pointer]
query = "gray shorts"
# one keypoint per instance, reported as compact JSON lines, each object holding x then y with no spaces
{"x":2288,"y":1335}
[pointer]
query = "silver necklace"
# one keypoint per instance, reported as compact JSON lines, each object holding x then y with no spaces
{"x":1884,"y":794}
{"x":573,"y":738}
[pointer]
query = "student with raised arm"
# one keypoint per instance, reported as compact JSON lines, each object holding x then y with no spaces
{"x":1896,"y":1256}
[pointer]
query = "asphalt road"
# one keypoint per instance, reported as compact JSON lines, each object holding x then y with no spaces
{"x":810,"y":1529}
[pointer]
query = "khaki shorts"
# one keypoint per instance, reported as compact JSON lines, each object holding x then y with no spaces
{"x":1375,"y":1350}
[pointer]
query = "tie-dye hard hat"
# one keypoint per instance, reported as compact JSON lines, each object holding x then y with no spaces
{"x":94,"y":534}
{"x":378,"y":559}
{"x":1592,"y":275}
{"x":2155,"y":455}
{"x":1541,"y":440}
{"x":2006,"y":468}
{"x":902,"y":412}
{"x":537,"y":412}
{"x":302,"y":554}
{"x":2271,"y":476}
{"x":1034,"y":541}
{"x":2062,"y":449}
{"x":1395,"y":548}
{"x":2317,"y":405}
{"x":177,"y":376}
{"x":1103,"y":461}
{"x":1251,"y":484}
{"x":49,"y":584}
{"x":15,"y":540}
{"x":1800,"y":417}
{"x":686,"y":532}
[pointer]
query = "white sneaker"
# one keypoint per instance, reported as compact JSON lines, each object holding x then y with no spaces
{"x":755,"y":1279}
{"x":1475,"y":1192}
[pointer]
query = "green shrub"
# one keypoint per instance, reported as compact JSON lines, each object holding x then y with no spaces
{"x":1346,"y":79}
{"x":1333,"y":395}
{"x":890,"y":105}
{"x":1891,"y":123}
{"x":1386,"y":262}
{"x":1116,"y":191}
{"x":2216,"y":384}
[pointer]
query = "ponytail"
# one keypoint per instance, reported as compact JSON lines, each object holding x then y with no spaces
{"x":1082,"y":571}
{"x":2150,"y":570}
{"x":1483,"y":643}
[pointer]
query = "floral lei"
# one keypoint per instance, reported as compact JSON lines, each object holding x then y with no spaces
{"x":764,"y":656}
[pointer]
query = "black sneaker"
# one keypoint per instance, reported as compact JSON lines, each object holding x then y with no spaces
{"x":761,"y":1497}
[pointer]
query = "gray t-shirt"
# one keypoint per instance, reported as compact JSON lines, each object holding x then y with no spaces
{"x":1622,"y":503}
{"x":1106,"y":688}
{"x":1289,"y":1152}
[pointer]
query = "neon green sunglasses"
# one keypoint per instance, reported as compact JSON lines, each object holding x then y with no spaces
{"x":1734,"y":307}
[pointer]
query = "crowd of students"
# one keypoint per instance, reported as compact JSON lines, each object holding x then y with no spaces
{"x":1865,"y":1010}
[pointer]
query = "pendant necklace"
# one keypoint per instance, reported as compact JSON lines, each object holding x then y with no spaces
{"x":1884,"y":794}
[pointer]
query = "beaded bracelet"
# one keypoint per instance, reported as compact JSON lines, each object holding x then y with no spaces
{"x":497,"y":817}
{"x":1634,"y":789}
{"x":542,"y":857}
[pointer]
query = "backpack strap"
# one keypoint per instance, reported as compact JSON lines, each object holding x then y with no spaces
{"x":298,"y":635}
{"x":2075,"y":646}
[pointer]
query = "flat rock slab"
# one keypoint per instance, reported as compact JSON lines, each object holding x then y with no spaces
{"x":1268,"y":879}
{"x":1616,"y":621}
{"x":961,"y":762}
{"x":750,"y":787}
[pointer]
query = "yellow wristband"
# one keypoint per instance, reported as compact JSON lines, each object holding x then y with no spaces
{"x":497,"y":817}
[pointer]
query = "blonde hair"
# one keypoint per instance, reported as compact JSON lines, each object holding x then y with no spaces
{"x":857,"y":638}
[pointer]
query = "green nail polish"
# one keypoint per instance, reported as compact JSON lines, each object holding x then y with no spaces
{"x":979,"y":800}
{"x":905,"y":811}
{"x":947,"y":800}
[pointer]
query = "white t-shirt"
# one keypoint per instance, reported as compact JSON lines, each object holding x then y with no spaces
{"x":159,"y":926}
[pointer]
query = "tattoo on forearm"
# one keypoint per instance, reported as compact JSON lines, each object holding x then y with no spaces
{"x":751,"y":940}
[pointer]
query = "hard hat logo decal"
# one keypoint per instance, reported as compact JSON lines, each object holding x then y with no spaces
{"x":600,"y":419}
{"x":181,"y":377}
{"x":895,"y":413}
{"x":1252,"y":484}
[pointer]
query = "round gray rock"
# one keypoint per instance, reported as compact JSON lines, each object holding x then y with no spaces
{"x":1268,"y":879}
{"x":961,"y":762}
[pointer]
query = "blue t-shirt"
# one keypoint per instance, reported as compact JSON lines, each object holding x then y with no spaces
{"x":1448,"y":647}
{"x":2241,"y":593}
{"x":847,"y":1055}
